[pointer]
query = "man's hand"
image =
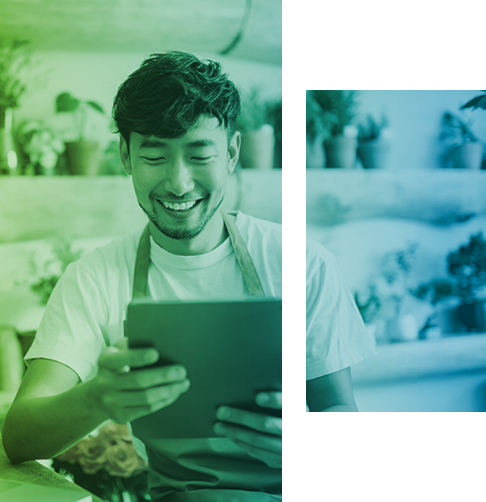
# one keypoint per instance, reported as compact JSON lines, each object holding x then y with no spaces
{"x":124,"y":395}
{"x":259,"y":434}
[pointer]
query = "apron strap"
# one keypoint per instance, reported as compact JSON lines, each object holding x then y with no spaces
{"x":245,"y":262}
{"x":142,"y":262}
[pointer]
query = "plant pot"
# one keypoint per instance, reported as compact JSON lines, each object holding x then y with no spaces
{"x":341,"y":152}
{"x":402,"y":329}
{"x":82,"y":157}
{"x":449,"y":321}
{"x":257,"y":148}
{"x":467,"y":156}
{"x":374,"y":154}
{"x":473,"y":316}
{"x":315,"y":155}
{"x":465,"y":318}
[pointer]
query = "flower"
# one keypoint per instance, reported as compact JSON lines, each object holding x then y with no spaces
{"x":112,"y":449}
{"x":93,"y":454}
{"x":123,"y":460}
{"x":116,"y":432}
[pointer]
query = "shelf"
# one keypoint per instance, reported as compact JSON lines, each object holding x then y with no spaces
{"x":439,"y":196}
{"x":424,"y":358}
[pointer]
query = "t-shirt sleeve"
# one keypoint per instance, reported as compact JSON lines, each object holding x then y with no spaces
{"x":336,"y":335}
{"x":71,"y":331}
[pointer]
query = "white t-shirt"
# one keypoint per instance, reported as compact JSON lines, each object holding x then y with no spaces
{"x":87,"y":307}
{"x":336,"y":335}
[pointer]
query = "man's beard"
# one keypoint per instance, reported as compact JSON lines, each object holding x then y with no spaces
{"x":180,"y":233}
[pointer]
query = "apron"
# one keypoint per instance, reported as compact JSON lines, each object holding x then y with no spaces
{"x":206,"y":469}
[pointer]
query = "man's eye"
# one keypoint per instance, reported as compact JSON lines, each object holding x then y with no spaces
{"x":153,"y":159}
{"x":201,"y":159}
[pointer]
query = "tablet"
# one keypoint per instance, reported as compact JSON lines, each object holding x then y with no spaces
{"x":231,"y":349}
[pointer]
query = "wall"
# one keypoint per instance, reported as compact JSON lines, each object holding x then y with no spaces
{"x":96,"y":77}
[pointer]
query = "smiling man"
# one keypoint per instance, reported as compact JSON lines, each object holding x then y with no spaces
{"x":176,"y":116}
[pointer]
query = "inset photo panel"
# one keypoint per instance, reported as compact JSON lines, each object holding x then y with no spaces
{"x":396,"y":253}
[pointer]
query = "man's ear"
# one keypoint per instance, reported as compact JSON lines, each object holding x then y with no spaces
{"x":234,"y":151}
{"x":125,"y":156}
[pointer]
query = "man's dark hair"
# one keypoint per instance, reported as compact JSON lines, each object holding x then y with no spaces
{"x":169,"y":92}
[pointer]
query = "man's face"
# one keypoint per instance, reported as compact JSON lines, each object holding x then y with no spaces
{"x":180,"y":182}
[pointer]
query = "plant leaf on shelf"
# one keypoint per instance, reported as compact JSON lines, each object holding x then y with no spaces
{"x":96,"y":106}
{"x":66,"y":103}
{"x":477,"y":102}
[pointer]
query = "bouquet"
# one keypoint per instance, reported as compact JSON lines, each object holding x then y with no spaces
{"x":106,"y":465}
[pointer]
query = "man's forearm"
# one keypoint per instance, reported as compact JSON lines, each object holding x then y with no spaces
{"x":44,"y":427}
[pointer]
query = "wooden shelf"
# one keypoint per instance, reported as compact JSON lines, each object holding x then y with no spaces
{"x":423,"y":358}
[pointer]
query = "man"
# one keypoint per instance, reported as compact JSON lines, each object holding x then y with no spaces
{"x":176,"y":117}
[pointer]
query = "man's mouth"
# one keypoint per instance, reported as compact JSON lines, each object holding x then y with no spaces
{"x":180,"y":206}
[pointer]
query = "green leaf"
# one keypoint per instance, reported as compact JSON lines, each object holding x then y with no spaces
{"x":477,"y":102}
{"x":66,"y":103}
{"x":96,"y":106}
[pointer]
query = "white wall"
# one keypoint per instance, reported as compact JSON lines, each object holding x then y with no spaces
{"x":415,"y":118}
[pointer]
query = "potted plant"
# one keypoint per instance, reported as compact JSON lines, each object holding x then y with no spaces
{"x":438,"y":292}
{"x":318,"y":129}
{"x":467,"y":266}
{"x":14,"y":57}
{"x":257,"y":134}
{"x":48,"y":274}
{"x":368,"y":305}
{"x":374,"y":142}
{"x":82,"y":154}
{"x":40,"y":147}
{"x":341,"y":145}
{"x":394,"y":288}
{"x":462,"y":297}
{"x":462,"y":146}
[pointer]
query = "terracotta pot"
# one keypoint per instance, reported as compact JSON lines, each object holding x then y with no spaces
{"x":473,"y":316}
{"x":82,"y":157}
{"x":8,"y":155}
{"x":402,"y":329}
{"x":257,"y":148}
{"x":341,"y":152}
{"x":465,"y":318}
{"x":467,"y":156}
{"x":449,"y":321}
{"x":374,"y":154}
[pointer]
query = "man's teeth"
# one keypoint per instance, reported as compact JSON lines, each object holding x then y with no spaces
{"x":179,"y":207}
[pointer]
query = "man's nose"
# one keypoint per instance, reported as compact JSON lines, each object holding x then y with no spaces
{"x":178,"y":178}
